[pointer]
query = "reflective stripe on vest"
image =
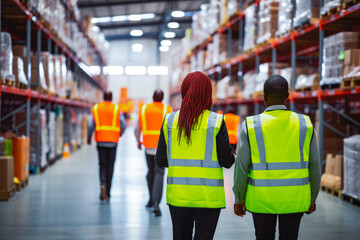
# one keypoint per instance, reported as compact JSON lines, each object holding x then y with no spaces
{"x":278,"y":180}
{"x":195,"y":177}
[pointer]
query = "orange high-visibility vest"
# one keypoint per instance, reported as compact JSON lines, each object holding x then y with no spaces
{"x":107,"y":122}
{"x":151,"y":117}
{"x":232,"y":123}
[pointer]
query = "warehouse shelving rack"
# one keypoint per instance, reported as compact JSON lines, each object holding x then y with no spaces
{"x":25,"y":27}
{"x":299,"y":44}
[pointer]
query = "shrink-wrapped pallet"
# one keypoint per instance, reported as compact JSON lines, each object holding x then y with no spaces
{"x":249,"y":28}
{"x":48,"y":65}
{"x":6,"y":58}
{"x":249,"y":79}
{"x":19,"y":73}
{"x":310,"y":82}
{"x":52,"y":135}
{"x":284,"y":17}
{"x":213,"y":16}
{"x":328,"y":5}
{"x":352,"y":166}
{"x":220,"y":48}
{"x":38,"y":80}
{"x":268,"y":20}
{"x":232,"y":7}
{"x":306,"y":12}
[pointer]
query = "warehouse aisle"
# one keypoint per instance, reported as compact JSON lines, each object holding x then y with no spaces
{"x":63,"y":203}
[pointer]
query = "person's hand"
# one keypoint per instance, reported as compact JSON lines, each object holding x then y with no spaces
{"x":311,"y":209}
{"x":139,"y":145}
{"x":240,"y":209}
{"x":89,"y":140}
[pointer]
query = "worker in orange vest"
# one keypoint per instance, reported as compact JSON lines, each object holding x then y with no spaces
{"x":108,"y":124}
{"x":151,"y":117}
{"x":232,"y":122}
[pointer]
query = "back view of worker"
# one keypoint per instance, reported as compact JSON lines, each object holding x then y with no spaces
{"x":151,"y":117}
{"x":277,"y":170}
{"x":108,"y":125}
{"x":194,"y":145}
{"x":232,"y":122}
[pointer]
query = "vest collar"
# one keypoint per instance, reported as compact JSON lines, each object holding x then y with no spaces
{"x":276,"y":107}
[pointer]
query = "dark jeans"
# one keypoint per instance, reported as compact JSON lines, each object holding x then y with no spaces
{"x":155,"y":180}
{"x":183,"y":222}
{"x":233,"y":146}
{"x":265,"y":226}
{"x":107,"y":157}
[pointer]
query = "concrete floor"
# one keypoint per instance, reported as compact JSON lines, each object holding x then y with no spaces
{"x":63,"y":203}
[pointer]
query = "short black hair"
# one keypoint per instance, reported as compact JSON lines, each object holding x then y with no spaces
{"x":231,"y":109}
{"x":276,"y":88}
{"x":107,"y":96}
{"x":158,"y":95}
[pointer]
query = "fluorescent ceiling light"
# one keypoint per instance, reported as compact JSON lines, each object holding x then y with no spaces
{"x":95,"y":70}
{"x":164,"y":48}
{"x":137,"y":47}
{"x":173,"y":25}
{"x":119,"y":18}
{"x":157,"y":70}
{"x":135,"y":70}
{"x":135,"y":17}
{"x":114,"y":70}
{"x":177,"y":14}
{"x":169,"y":34}
{"x":148,"y":15}
{"x":136,"y":33}
{"x":166,"y":43}
{"x":101,"y":20}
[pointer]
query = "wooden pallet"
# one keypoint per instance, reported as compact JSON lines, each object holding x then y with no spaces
{"x":348,"y":3}
{"x":351,"y":82}
{"x":6,"y":195}
{"x":307,"y":89}
{"x":258,"y":94}
{"x":307,"y":23}
{"x":332,"y":11}
{"x":285,"y":34}
{"x":22,"y":184}
{"x":350,"y":199}
{"x":266,"y":42}
{"x":334,"y":192}
{"x":7,"y":82}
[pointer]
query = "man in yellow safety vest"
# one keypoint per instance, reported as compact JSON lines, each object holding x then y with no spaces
{"x":277,"y":169}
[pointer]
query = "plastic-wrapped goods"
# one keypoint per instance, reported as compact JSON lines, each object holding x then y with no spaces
{"x":48,"y":64}
{"x":35,"y":71}
{"x":307,"y":81}
{"x":52,"y":135}
{"x":328,"y":5}
{"x":60,"y":138}
{"x":232,"y":7}
{"x":223,"y":11}
{"x":221,"y":87}
{"x":220,"y":48}
{"x":352,"y":166}
{"x":306,"y":11}
{"x":6,"y":57}
{"x":334,"y":55}
{"x":18,"y":69}
{"x":209,"y":56}
{"x":213,"y":16}
{"x":268,"y":20}
{"x":284,"y":17}
{"x":249,"y":28}
{"x":44,"y":140}
{"x":249,"y":84}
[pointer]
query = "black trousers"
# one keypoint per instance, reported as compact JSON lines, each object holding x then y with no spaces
{"x":155,"y":180}
{"x":233,"y":146}
{"x":265,"y":226}
{"x":183,"y":222}
{"x":107,"y":156}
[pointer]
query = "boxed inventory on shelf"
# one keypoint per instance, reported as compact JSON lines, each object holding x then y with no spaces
{"x":6,"y":177}
{"x":352,"y":166}
{"x":249,"y":28}
{"x":268,"y":20}
{"x":330,"y":4}
{"x":6,"y":58}
{"x":307,"y":12}
{"x":333,"y":176}
{"x":285,"y":15}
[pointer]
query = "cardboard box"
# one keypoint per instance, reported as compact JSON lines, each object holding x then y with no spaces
{"x":352,"y":57}
{"x":331,"y":181}
{"x":6,"y":176}
{"x":21,"y":154}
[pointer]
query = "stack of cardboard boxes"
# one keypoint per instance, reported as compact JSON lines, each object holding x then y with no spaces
{"x":352,"y":166}
{"x":268,"y":16}
{"x":333,"y":176}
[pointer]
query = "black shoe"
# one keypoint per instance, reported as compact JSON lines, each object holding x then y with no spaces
{"x":157,"y":211}
{"x":149,"y":206}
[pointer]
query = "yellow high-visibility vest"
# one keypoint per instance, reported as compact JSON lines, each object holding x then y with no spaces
{"x":279,"y":176}
{"x":195,"y":178}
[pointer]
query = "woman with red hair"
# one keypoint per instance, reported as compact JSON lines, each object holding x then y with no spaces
{"x":194,"y":145}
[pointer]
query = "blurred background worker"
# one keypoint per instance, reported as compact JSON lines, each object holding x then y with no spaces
{"x":194,"y":145}
{"x":277,"y":169}
{"x":109,"y":125}
{"x":151,"y":117}
{"x":232,"y":122}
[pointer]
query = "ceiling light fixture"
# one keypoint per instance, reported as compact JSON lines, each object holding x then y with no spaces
{"x":169,"y":34}
{"x":135,"y":70}
{"x":164,"y":48}
{"x":173,"y":25}
{"x":177,"y":14}
{"x":157,"y":70}
{"x":166,"y":43}
{"x":137,"y":47}
{"x":136,"y":33}
{"x":135,"y":17}
{"x":114,"y":70}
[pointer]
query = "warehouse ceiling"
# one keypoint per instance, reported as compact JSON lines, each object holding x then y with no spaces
{"x":112,"y":16}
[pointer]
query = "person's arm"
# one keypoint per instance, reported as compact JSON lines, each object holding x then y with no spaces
{"x":314,"y":169}
{"x":242,"y":166}
{"x":224,"y":151}
{"x":161,"y":151}
{"x":138,"y":135}
{"x":122,"y":124}
{"x":91,"y":129}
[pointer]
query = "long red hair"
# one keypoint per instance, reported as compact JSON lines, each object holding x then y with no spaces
{"x":196,"y":92}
